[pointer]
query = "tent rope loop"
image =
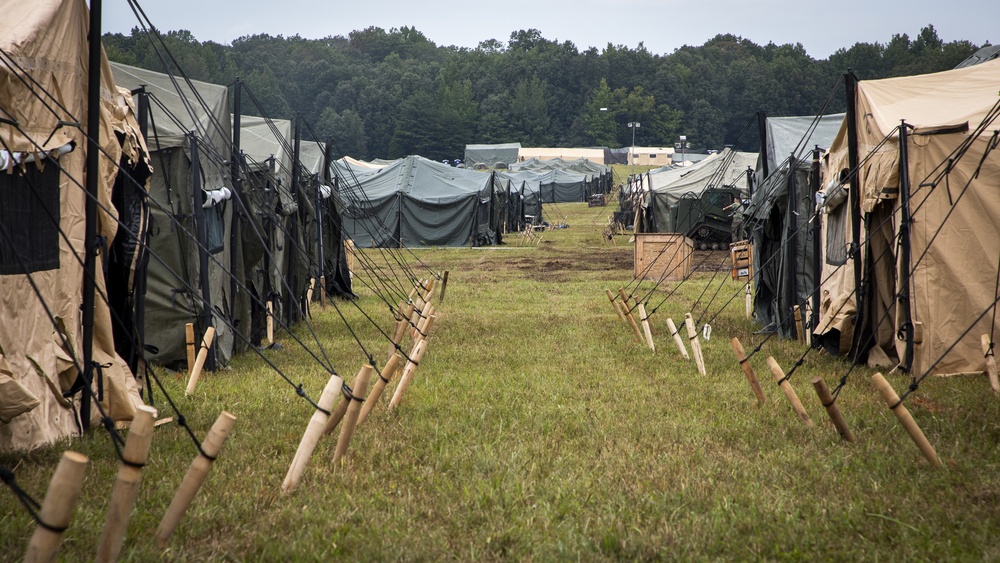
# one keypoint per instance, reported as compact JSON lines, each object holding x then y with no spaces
{"x":31,"y":505}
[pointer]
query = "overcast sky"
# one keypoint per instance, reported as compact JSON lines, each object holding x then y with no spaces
{"x":662,"y":25}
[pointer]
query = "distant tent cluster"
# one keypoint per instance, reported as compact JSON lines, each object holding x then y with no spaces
{"x":418,"y":202}
{"x":566,"y":181}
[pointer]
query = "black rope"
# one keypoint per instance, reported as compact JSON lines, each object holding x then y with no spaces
{"x":32,"y":506}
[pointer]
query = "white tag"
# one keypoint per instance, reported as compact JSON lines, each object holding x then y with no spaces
{"x":706,"y":332}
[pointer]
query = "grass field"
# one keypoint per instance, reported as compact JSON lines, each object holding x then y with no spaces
{"x":538,"y":429}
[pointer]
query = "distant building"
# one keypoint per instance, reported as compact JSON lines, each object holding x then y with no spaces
{"x":594,"y":155}
{"x":651,"y":156}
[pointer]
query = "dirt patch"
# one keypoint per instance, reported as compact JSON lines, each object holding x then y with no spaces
{"x":710,"y":260}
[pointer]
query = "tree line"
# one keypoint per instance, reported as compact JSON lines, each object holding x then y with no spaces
{"x":387,"y":94}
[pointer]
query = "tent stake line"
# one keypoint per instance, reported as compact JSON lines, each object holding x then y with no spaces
{"x":57,"y":508}
{"x":786,"y":388}
{"x":699,"y":360}
{"x":360,"y":388}
{"x":826,"y":399}
{"x":195,"y":476}
{"x":905,"y":418}
{"x":677,"y":339}
{"x":312,"y":434}
{"x":135,"y":453}
{"x":741,"y":357}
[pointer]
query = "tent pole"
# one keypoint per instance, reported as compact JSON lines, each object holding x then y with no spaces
{"x":817,"y":246}
{"x":234,"y":178}
{"x":792,"y":247}
{"x":90,"y":203}
{"x":905,"y":248}
{"x":292,"y":313}
{"x":851,"y":85}
{"x":762,"y":132}
{"x":199,"y":217}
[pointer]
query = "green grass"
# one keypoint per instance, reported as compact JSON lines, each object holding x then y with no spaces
{"x":538,"y":429}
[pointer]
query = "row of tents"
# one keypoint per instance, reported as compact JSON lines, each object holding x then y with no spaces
{"x":880,"y":221}
{"x":203,"y":216}
{"x":206,"y":216}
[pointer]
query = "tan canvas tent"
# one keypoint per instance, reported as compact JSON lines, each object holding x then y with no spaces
{"x":48,"y":40}
{"x":953,"y":239}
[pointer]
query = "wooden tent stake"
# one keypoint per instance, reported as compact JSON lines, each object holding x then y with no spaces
{"x":309,"y":294}
{"x":611,"y":298}
{"x":646,"y":329}
{"x":387,"y":372}
{"x":336,"y":415}
{"x":786,"y":388}
{"x":57,"y":508}
{"x":799,"y":333}
{"x":401,"y":324}
{"x":418,"y":313}
{"x":677,"y":339}
{"x":358,"y":391}
{"x":313,"y":431}
{"x":189,"y":341}
{"x":741,"y":357}
{"x":749,"y":299}
{"x":629,"y":317}
{"x":423,"y":329}
{"x":699,"y":360}
{"x":322,"y":291}
{"x":905,"y":418}
{"x":430,"y":289}
{"x":411,"y":367}
{"x":270,"y":322}
{"x":807,"y":328}
{"x":199,"y":363}
{"x":444,"y":286}
{"x":134,"y":455}
{"x":195,"y":476}
{"x":991,"y":363}
{"x":826,"y":399}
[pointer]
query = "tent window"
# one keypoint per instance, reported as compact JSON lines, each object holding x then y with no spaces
{"x":216,"y":228}
{"x":836,"y":236}
{"x":29,"y":213}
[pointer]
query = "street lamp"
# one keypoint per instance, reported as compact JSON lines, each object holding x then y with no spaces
{"x":633,"y":125}
{"x":683,"y":145}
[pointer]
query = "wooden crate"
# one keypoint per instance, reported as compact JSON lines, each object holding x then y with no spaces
{"x":741,"y":257}
{"x":671,"y":255}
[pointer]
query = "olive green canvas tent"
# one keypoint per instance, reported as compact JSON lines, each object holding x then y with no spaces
{"x":778,"y":219}
{"x":418,"y":202}
{"x":187,"y":121}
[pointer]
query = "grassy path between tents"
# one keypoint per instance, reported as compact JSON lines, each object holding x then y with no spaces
{"x":538,"y":429}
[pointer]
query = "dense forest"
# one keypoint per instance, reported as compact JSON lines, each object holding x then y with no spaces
{"x":387,"y":94}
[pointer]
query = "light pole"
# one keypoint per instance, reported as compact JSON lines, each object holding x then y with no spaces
{"x":683,"y":145}
{"x":633,"y":125}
